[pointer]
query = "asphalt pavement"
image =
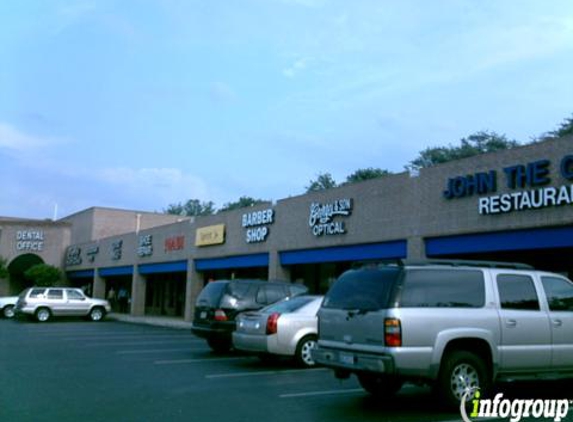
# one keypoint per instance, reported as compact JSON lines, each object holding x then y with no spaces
{"x":74,"y":370}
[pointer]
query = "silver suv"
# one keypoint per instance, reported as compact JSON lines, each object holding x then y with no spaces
{"x":457,"y":325}
{"x":45,"y":302}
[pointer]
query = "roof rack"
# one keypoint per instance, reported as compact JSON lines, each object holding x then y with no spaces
{"x":467,"y":263}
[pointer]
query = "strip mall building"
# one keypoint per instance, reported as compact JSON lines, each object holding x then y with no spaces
{"x":514,"y":205}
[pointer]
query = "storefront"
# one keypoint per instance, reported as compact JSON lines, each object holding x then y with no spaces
{"x":164,"y":288}
{"x":319,"y":268}
{"x":229,"y":268}
{"x":514,"y":205}
{"x":118,"y":287}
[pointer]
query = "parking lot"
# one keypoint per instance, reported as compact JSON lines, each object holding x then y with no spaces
{"x":114,"y":371}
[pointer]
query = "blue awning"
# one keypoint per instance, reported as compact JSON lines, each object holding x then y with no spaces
{"x":558,"y":237}
{"x":239,"y":261}
{"x":163,"y":267}
{"x":386,"y":250}
{"x":114,"y":271}
{"x":81,"y":274}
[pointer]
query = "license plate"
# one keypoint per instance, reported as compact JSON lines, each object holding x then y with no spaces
{"x":346,"y":359}
{"x":203,"y":315}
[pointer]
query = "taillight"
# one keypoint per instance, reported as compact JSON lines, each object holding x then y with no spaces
{"x":220,"y":315}
{"x":392,"y":332}
{"x":272,"y":323}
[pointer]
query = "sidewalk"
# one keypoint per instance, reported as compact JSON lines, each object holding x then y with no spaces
{"x":159,"y":321}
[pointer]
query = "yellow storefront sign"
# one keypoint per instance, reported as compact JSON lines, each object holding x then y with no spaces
{"x":210,"y":235}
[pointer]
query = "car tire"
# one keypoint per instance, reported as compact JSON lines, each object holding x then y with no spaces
{"x":381,"y":386}
{"x":219,"y":345}
{"x":42,"y":314}
{"x":304,"y":348}
{"x":461,"y":374}
{"x":97,"y":314}
{"x":8,"y":311}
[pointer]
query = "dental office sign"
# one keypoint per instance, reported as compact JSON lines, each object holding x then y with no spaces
{"x":30,"y":240}
{"x":322,"y":217}
{"x":527,"y":184}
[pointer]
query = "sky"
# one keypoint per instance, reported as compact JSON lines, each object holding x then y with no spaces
{"x":139,"y":104}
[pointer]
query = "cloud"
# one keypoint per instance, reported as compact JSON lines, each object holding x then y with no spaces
{"x":162,"y":184}
{"x":306,"y":3}
{"x":223,"y":92}
{"x":297,"y":67}
{"x":12,"y":139}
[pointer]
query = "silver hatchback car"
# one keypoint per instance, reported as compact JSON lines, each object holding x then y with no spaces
{"x":287,"y":328}
{"x":44,"y":303}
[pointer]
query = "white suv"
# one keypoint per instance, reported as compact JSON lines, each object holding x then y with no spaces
{"x":45,"y":302}
{"x":458,"y":325}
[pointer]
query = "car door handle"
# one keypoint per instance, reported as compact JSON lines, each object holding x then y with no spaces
{"x":511,"y":323}
{"x":557,"y":323}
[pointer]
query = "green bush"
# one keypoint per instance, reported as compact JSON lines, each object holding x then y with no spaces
{"x":43,"y":275}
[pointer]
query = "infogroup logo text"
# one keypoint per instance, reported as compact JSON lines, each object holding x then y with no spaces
{"x":514,"y":409}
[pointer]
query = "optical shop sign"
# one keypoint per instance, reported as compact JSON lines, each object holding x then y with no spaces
{"x":323,"y":217}
{"x":527,"y":184}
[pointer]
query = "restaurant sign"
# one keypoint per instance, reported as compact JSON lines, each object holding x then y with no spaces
{"x":527,"y":186}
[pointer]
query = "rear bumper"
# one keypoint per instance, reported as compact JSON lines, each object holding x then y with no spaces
{"x":213,"y":332}
{"x":250,"y":342}
{"x":354,"y":362}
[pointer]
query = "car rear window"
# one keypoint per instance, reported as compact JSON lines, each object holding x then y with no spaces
{"x":437,"y":288}
{"x":289,"y":305}
{"x":238,"y":290}
{"x":366,"y":289}
{"x":211,"y":294}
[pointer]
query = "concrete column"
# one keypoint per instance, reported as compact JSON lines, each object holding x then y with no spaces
{"x":194,"y":285}
{"x":137,"y":294}
{"x":276,"y":270}
{"x":99,"y":286}
{"x":416,"y":248}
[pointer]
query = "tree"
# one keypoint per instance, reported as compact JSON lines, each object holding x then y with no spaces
{"x":4,"y":273}
{"x":475,"y":144}
{"x":565,"y":129}
{"x":193,"y":207}
{"x":323,"y":181}
{"x":361,"y":175}
{"x":242,"y":202}
{"x":43,"y":275}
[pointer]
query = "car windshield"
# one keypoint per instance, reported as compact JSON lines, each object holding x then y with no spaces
{"x":288,"y":305}
{"x":366,"y":289}
{"x":211,"y":294}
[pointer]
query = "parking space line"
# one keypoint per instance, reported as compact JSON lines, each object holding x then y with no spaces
{"x":158,"y":337}
{"x":321,"y":393}
{"x":181,"y":361}
{"x":135,"y":352}
{"x":135,"y":343}
{"x":259,"y":373}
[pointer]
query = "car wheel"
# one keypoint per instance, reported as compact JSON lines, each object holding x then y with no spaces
{"x":304,"y":351}
{"x":461,"y":374}
{"x":382,"y":386}
{"x":43,"y":314}
{"x":219,"y":345}
{"x":8,"y":311}
{"x":97,"y":314}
